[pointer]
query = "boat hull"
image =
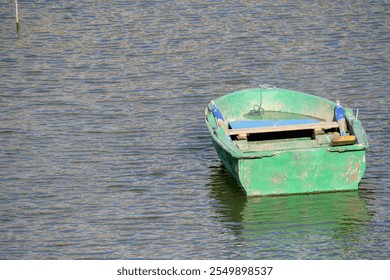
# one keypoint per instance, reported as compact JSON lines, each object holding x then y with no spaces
{"x":297,"y":168}
{"x":293,"y":172}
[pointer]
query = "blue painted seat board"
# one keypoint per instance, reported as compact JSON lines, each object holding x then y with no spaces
{"x":267,"y":123}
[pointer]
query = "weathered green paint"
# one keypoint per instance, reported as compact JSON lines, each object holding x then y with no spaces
{"x":288,"y":166}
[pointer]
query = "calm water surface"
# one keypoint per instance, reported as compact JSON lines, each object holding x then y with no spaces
{"x":104,"y":153}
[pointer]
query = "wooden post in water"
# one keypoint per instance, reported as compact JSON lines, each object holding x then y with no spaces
{"x":17,"y":15}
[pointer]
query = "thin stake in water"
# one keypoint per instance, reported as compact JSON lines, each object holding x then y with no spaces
{"x":17,"y":16}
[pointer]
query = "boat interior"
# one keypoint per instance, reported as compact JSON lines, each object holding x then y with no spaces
{"x":289,"y":132}
{"x":278,"y":120}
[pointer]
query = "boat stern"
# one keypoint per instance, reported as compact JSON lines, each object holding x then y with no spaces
{"x":302,"y":171}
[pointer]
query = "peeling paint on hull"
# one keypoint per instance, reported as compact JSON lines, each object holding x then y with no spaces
{"x":316,"y":171}
{"x":282,"y":174}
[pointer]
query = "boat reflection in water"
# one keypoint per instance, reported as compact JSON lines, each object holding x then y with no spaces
{"x":315,"y":226}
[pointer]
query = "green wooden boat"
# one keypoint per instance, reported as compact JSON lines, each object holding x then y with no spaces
{"x":277,"y":141}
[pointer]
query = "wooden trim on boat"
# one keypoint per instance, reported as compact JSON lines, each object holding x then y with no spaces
{"x":241,"y":131}
{"x":343,"y":140}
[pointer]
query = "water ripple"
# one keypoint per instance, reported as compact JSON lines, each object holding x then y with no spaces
{"x":103,"y":149}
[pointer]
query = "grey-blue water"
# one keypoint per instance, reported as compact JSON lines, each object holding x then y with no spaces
{"x":104,"y":153}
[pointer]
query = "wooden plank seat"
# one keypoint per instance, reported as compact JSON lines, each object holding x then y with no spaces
{"x":279,"y":128}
